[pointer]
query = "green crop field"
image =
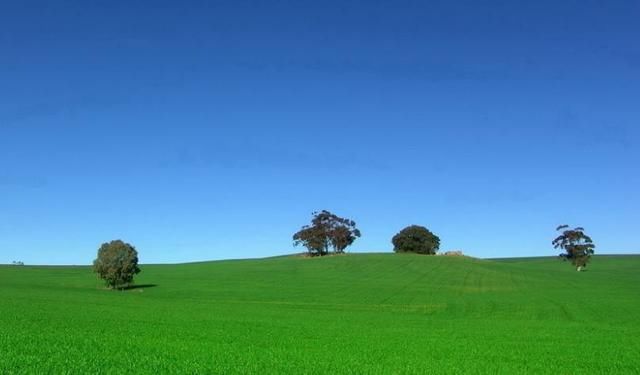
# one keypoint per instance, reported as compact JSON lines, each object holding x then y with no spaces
{"x":360,"y":314}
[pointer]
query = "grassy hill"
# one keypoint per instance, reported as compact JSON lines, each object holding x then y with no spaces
{"x":373,"y":313}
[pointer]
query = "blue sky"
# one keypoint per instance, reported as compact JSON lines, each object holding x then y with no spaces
{"x":201,"y":130}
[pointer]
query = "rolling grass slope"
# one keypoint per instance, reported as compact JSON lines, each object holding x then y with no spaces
{"x":373,"y":313}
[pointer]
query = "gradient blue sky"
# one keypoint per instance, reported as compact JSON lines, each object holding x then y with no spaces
{"x":204,"y":130}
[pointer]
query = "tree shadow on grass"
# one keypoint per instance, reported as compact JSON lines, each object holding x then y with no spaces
{"x":139,"y":286}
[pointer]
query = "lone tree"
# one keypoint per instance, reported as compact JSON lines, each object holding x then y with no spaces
{"x":577,"y":246}
{"x":416,"y":239}
{"x":325,"y":232}
{"x":116,"y":264}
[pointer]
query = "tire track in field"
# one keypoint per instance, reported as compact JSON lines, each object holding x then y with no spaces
{"x":373,"y":277}
{"x":391,"y":307}
{"x":562,"y":308}
{"x":375,"y":274}
{"x":465,"y":281}
{"x":413,"y":282}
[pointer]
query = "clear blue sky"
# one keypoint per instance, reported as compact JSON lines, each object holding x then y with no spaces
{"x":204,"y":130}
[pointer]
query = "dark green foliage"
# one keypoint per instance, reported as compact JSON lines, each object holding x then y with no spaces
{"x":116,"y":264}
{"x":577,"y":246}
{"x":416,"y":239}
{"x":327,"y":231}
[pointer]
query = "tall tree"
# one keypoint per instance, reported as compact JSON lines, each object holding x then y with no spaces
{"x":327,"y":231}
{"x":577,"y":246}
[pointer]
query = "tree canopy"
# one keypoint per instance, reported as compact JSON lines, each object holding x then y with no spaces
{"x":327,"y":231}
{"x":116,"y":264}
{"x":416,"y":239}
{"x":577,"y":246}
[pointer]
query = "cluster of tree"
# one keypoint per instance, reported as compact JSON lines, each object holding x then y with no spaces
{"x":117,"y":261}
{"x":329,"y":232}
{"x":17,"y":263}
{"x":326,"y":232}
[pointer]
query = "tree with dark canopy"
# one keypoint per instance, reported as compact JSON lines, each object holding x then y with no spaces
{"x":325,"y":232}
{"x":117,"y":264}
{"x":577,"y":246}
{"x":416,"y":239}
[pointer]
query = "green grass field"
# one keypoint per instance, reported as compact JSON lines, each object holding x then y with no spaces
{"x":369,"y":313}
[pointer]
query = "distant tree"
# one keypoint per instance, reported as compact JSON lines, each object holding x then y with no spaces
{"x":117,"y":264}
{"x":416,"y":239}
{"x":577,"y":246}
{"x":327,"y":231}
